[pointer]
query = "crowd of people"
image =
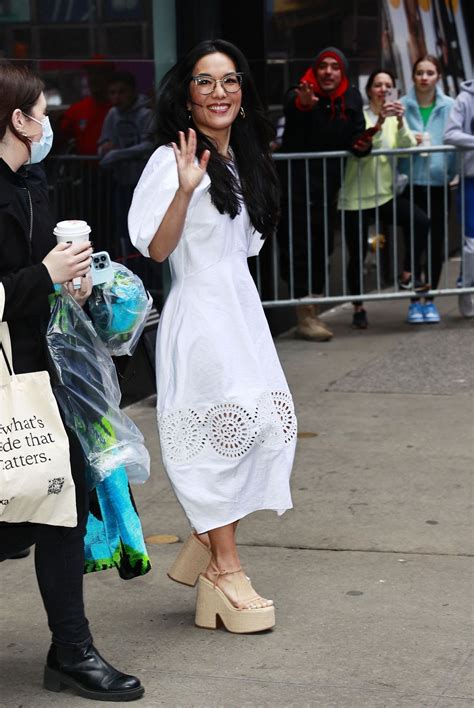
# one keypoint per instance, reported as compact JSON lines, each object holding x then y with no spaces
{"x":115,"y":123}
{"x":323,"y":113}
{"x":207,"y":200}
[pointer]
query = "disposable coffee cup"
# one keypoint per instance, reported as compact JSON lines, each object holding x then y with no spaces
{"x":72,"y":231}
{"x":426,"y":142}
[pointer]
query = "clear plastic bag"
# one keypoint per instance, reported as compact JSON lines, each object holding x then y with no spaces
{"x":88,"y":393}
{"x":119,"y":310}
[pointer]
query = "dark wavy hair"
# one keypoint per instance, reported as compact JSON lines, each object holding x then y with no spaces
{"x":375,"y":73}
{"x":250,"y":139}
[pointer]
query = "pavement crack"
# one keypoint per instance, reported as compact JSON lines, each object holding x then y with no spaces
{"x":395,"y":551}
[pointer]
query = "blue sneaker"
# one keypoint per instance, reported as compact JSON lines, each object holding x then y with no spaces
{"x":430,"y":313}
{"x":415,"y":313}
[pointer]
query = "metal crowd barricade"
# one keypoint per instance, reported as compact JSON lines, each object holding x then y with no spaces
{"x":381,"y":282}
{"x":80,"y":189}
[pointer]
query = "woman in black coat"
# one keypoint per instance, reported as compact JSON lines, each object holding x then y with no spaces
{"x":30,"y":262}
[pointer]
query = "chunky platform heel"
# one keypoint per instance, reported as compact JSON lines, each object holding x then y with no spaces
{"x":212,"y":604}
{"x":191,"y":561}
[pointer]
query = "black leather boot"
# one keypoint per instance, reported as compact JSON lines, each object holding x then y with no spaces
{"x":20,"y":554}
{"x":89,"y":675}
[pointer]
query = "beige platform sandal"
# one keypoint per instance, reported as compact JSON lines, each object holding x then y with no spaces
{"x":190,"y":562}
{"x":213,"y":603}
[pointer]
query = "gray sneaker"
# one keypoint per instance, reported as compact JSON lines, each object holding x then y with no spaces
{"x":466,"y":304}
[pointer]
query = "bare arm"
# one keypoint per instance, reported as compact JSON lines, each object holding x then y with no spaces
{"x":167,"y":237}
{"x":190,"y":175}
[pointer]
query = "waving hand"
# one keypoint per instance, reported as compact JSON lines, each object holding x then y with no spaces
{"x":190,"y":174}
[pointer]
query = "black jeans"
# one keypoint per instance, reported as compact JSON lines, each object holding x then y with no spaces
{"x":357,"y":243}
{"x":59,"y":561}
{"x":437,"y":240}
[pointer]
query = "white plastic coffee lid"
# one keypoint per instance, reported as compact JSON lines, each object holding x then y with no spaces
{"x":73,"y":227}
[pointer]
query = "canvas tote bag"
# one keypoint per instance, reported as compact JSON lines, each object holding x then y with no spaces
{"x":35,"y":472}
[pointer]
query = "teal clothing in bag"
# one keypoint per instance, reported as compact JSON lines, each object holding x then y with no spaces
{"x":430,"y":169}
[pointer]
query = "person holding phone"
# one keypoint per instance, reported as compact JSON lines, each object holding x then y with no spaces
{"x":369,"y":185}
{"x":30,"y":263}
{"x":427,"y":111}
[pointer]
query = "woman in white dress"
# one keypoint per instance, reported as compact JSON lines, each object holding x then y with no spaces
{"x":206,"y":199}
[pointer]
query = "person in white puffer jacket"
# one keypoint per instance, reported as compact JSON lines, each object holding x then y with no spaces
{"x":460,"y":131}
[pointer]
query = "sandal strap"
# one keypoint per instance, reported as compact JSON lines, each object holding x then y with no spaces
{"x":218,"y":573}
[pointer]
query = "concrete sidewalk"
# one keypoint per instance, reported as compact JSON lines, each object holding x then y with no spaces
{"x":371,"y":572}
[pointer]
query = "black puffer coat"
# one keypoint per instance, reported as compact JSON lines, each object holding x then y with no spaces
{"x":324,"y":128}
{"x":26,"y":236}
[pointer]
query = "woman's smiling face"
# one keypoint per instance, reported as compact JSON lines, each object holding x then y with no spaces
{"x":214,"y":113}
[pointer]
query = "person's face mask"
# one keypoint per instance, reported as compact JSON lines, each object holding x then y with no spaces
{"x":41,"y":148}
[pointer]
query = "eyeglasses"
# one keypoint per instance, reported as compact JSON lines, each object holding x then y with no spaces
{"x":231,"y":83}
{"x":40,"y":122}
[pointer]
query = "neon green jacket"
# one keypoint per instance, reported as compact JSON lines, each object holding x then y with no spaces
{"x":372,"y":177}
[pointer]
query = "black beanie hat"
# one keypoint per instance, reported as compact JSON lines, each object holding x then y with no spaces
{"x":336,"y":54}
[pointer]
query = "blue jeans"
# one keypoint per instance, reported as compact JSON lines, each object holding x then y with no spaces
{"x":466,"y":278}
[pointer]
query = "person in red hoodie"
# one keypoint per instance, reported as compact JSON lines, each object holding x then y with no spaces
{"x":323,"y":113}
{"x":80,"y":129}
{"x":83,"y":120}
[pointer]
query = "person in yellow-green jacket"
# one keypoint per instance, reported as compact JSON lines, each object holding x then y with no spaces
{"x":369,"y":185}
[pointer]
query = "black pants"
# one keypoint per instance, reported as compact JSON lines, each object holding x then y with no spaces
{"x":357,"y":241}
{"x":322,"y":246}
{"x":59,"y":561}
{"x":437,"y":241}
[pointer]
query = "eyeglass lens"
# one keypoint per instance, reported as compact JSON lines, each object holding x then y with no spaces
{"x":206,"y":84}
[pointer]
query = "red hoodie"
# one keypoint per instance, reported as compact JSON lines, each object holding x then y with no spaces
{"x":310,"y":78}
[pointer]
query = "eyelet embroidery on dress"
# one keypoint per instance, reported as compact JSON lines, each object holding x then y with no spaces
{"x":277,"y":418}
{"x":182,"y":435}
{"x":228,"y":428}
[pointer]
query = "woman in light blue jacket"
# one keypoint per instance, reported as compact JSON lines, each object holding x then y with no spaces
{"x":426,"y":111}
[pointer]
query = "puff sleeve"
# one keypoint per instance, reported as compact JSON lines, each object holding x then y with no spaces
{"x":152,"y":197}
{"x":255,"y":243}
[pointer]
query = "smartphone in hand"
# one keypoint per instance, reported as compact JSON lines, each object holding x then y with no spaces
{"x":366,"y":136}
{"x":391,"y":95}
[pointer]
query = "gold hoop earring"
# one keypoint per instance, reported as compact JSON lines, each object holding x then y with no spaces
{"x":242,"y":112}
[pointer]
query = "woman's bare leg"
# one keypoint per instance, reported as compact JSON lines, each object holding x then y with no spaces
{"x":204,"y":538}
{"x":225,"y":556}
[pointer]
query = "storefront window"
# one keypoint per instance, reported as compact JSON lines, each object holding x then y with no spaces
{"x":297,"y":29}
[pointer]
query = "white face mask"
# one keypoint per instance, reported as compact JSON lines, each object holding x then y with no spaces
{"x":40,"y":149}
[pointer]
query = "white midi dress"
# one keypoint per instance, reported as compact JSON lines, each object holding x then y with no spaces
{"x":225,"y":415}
